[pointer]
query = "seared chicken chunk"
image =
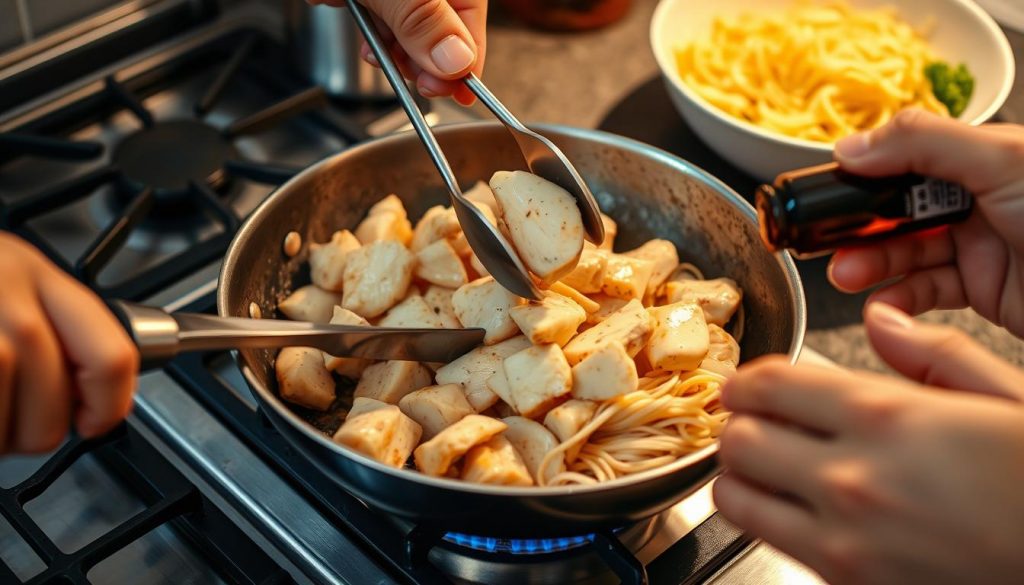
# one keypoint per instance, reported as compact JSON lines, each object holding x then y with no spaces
{"x":538,"y":379}
{"x":438,"y":223}
{"x":631,"y":326}
{"x":588,"y":276}
{"x":723,"y":352}
{"x":604,"y":374}
{"x":435,"y":456}
{"x":386,"y":220}
{"x":611,"y":229}
{"x":327,"y":261}
{"x":581,"y":299}
{"x":310,"y":303}
{"x":481,"y":193}
{"x":379,"y":431}
{"x":553,"y":319}
{"x":567,"y":420}
{"x":485,"y":303}
{"x":496,"y":462}
{"x":472,"y":370}
{"x":680,"y":339}
{"x":625,"y":277}
{"x":477,"y":266}
{"x":303,"y":379}
{"x":439,"y":264}
{"x":439,"y":299}
{"x":436,"y":408}
{"x":665,"y":258}
{"x":533,"y":441}
{"x":391,"y":380}
{"x":350,"y":367}
{"x":376,"y":277}
{"x":498,"y":384}
{"x":719,"y":297}
{"x":413,"y":312}
{"x":606,"y":307}
{"x":543,"y":222}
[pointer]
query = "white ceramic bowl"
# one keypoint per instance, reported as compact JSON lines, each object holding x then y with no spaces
{"x":963,"y":33}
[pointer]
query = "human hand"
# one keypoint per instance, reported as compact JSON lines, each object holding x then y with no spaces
{"x":434,"y":42}
{"x":63,"y":356}
{"x":977,"y":263}
{"x":870,"y":479}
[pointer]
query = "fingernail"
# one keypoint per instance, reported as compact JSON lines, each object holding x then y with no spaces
{"x":371,"y":59}
{"x":853,"y":146}
{"x":426,"y":92}
{"x":836,"y":274}
{"x":890,"y":316}
{"x":452,"y":55}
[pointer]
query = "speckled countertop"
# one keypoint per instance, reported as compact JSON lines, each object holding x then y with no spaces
{"x":578,"y":79}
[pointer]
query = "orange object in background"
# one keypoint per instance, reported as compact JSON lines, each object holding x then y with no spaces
{"x":568,"y":15}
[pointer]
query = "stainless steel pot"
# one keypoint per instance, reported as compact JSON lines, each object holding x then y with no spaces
{"x":649,"y":192}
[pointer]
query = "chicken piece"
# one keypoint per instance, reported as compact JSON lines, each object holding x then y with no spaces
{"x":303,"y":379}
{"x":543,"y":222}
{"x":327,"y":261}
{"x":533,"y":441}
{"x":436,"y":408}
{"x":413,"y":312}
{"x":604,"y":374}
{"x":568,"y":419}
{"x":438,"y":223}
{"x":435,"y":456}
{"x":581,"y":299}
{"x":477,"y":266}
{"x":439,"y":299}
{"x":606,"y":307}
{"x":391,"y":380}
{"x":680,"y":339}
{"x":539,"y":378}
{"x":723,"y":352}
{"x":350,"y":367}
{"x":719,"y":297}
{"x":588,"y":276}
{"x":485,"y":303}
{"x":496,"y":462}
{"x":472,"y":370}
{"x":631,"y":326}
{"x":665,"y":258}
{"x":553,"y":319}
{"x":379,"y":431}
{"x":498,"y":384}
{"x":376,"y":277}
{"x":310,"y":303}
{"x":481,"y":193}
{"x":386,"y":220}
{"x":439,"y":264}
{"x":611,"y":229}
{"x":626,"y":277}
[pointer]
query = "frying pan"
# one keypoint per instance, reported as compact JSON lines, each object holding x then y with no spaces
{"x":650,"y":193}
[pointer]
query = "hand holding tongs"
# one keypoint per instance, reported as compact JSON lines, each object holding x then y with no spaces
{"x":542,"y":157}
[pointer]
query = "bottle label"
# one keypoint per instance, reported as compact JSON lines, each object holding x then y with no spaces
{"x":935,"y":197}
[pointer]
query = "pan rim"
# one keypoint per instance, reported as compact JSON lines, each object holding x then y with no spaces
{"x":788,"y":266}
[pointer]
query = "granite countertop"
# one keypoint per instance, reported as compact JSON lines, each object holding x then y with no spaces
{"x":587,"y":79}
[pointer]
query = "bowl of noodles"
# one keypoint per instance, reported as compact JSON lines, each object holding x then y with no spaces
{"x":771,"y":85}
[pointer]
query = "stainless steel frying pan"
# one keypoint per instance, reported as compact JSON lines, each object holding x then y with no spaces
{"x":648,"y":192}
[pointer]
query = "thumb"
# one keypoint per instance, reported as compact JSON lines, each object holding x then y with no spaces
{"x":938,"y":355}
{"x":432,"y":34}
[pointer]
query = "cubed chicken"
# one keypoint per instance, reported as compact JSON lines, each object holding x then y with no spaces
{"x":436,"y":408}
{"x":327,"y":261}
{"x":413,"y":312}
{"x":611,"y":229}
{"x":533,"y":441}
{"x":310,"y":303}
{"x":477,"y":266}
{"x":626,"y":277}
{"x":581,"y":299}
{"x":485,"y":303}
{"x":588,"y":276}
{"x":385,"y":221}
{"x":496,"y":462}
{"x":436,"y":456}
{"x":680,"y":339}
{"x":543,"y":222}
{"x":391,"y":380}
{"x":481,"y":193}
{"x":438,"y":223}
{"x":439,"y":264}
{"x":606,"y":307}
{"x":472,"y":370}
{"x":553,"y":319}
{"x":604,"y":374}
{"x":303,"y":379}
{"x":439,"y":299}
{"x":498,"y":384}
{"x":380,"y":431}
{"x":568,"y":419}
{"x":719,"y":297}
{"x":376,"y":277}
{"x":723,"y":352}
{"x":350,"y":367}
{"x":631,"y":326}
{"x":539,"y":378}
{"x":665,"y":258}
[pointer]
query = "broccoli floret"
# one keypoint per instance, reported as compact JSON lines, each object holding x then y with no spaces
{"x":952,"y":87}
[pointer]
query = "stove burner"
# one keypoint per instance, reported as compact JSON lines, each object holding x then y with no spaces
{"x":171,"y":155}
{"x":517,"y":546}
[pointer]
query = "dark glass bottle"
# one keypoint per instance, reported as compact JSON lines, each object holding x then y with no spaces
{"x":818,"y":209}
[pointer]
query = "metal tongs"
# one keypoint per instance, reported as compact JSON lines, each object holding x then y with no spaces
{"x":543,"y":158}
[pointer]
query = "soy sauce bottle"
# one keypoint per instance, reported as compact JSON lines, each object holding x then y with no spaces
{"x":818,"y":209}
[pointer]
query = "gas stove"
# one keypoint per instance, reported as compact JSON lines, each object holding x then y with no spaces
{"x":134,"y":177}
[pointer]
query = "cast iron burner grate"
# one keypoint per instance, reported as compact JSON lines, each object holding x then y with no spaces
{"x":167,"y":165}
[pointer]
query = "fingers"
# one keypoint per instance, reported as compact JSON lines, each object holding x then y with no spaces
{"x":8,"y":362}
{"x":855,"y":269}
{"x":919,"y":292}
{"x":769,"y":454}
{"x":432,"y":33}
{"x":939,"y":356}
